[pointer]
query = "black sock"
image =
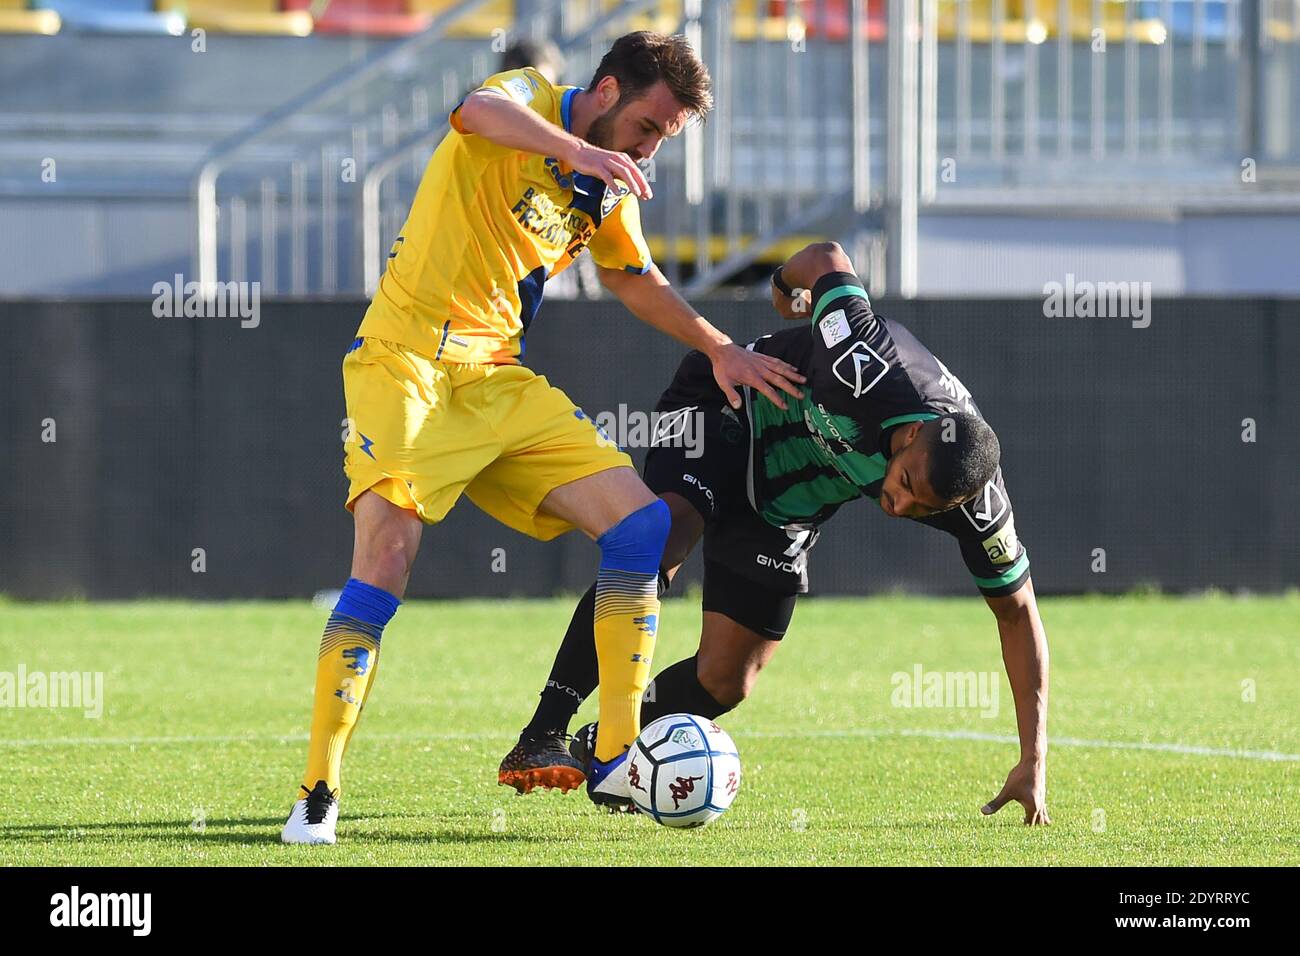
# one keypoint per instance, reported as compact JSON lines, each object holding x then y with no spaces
{"x":677,"y":690}
{"x":574,"y":675}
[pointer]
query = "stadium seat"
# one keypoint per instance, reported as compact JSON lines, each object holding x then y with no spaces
{"x":751,"y":20}
{"x":373,"y":17}
{"x":1146,"y":29}
{"x":493,"y":15}
{"x":829,"y":19}
{"x":241,"y":16}
{"x":664,"y":17}
{"x":114,"y":16}
{"x":16,"y":17}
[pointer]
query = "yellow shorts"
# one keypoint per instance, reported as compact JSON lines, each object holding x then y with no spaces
{"x":420,"y":431}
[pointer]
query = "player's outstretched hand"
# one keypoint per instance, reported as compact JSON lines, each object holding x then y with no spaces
{"x":608,"y":165}
{"x":1026,"y":785}
{"x":733,"y":365}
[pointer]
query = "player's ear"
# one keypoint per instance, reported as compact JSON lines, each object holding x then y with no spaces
{"x":607,"y":93}
{"x":910,"y":431}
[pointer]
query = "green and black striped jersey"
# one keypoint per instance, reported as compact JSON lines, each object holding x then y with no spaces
{"x":866,"y":376}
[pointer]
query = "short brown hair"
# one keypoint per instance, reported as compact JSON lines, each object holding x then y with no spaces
{"x":640,"y":60}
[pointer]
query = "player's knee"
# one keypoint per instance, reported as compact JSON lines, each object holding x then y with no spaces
{"x":727,"y":683}
{"x":385,"y":561}
{"x":637,"y":542}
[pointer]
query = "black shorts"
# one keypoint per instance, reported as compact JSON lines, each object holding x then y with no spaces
{"x":753,"y":571}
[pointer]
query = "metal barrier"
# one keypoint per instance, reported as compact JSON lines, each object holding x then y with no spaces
{"x":851,"y":127}
{"x":175,"y":434}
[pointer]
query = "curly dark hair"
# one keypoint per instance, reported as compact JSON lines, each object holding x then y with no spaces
{"x":640,"y":60}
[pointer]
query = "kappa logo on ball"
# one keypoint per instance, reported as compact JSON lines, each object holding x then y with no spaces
{"x":860,"y":368}
{"x":683,"y":788}
{"x":634,"y":776}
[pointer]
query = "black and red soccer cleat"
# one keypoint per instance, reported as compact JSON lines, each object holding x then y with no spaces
{"x":541,"y":761}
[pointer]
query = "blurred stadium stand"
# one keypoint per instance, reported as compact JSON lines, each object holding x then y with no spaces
{"x":991,"y":149}
{"x":120,"y":16}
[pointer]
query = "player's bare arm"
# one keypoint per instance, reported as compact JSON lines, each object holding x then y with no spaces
{"x":1024,"y":652}
{"x":801,"y":272}
{"x":495,"y":116}
{"x":652,"y":300}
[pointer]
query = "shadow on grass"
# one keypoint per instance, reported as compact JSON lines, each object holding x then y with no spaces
{"x":220,"y":831}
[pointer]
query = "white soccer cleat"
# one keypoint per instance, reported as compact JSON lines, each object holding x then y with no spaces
{"x":312,"y":819}
{"x":607,"y":783}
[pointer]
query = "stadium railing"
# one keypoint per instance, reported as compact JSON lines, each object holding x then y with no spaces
{"x":831,"y":119}
{"x":981,"y":105}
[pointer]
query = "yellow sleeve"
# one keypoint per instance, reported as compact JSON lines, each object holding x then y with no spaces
{"x":618,"y":243}
{"x":525,"y":86}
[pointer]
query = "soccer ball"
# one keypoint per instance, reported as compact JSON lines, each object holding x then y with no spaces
{"x":683,"y":771}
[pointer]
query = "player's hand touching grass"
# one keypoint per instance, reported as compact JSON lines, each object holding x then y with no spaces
{"x":1026,"y":785}
{"x":733,"y":365}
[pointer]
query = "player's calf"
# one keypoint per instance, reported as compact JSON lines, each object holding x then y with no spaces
{"x":345,"y":673}
{"x":626,"y":622}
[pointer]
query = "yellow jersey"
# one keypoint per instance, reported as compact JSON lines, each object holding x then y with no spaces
{"x":488,"y":226}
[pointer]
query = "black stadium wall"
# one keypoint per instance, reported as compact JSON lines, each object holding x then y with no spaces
{"x":1121,"y":445}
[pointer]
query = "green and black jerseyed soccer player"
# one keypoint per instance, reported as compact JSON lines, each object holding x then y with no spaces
{"x":881,"y":418}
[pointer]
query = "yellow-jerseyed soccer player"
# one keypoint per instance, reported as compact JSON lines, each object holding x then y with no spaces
{"x":529,"y":176}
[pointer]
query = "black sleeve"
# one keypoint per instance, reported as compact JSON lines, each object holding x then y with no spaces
{"x":846,"y":360}
{"x":985,"y":530}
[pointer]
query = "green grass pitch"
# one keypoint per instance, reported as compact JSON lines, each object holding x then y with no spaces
{"x":196,"y":756}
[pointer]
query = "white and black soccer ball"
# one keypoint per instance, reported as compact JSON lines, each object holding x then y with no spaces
{"x":683,"y":771}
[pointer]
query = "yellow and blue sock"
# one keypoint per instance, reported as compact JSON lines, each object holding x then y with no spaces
{"x":345,"y":672}
{"x":626,"y":620}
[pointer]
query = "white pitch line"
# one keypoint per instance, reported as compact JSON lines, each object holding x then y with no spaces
{"x":1194,"y":750}
{"x":1175,"y":748}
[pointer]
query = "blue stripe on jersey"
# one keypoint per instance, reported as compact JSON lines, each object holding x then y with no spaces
{"x":588,"y":196}
{"x":566,"y":107}
{"x":531,"y":289}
